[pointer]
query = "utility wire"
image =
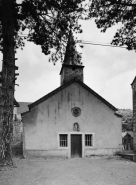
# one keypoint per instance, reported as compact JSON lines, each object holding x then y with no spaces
{"x":88,"y":42}
{"x":99,"y":44}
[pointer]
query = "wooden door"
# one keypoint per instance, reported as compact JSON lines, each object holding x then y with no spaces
{"x":76,"y":145}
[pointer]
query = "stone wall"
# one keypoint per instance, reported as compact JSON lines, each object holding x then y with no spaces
{"x":17,"y":132}
{"x":71,"y":71}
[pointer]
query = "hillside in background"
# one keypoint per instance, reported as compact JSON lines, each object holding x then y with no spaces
{"x":127,"y":114}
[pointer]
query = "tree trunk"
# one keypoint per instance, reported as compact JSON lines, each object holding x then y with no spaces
{"x":7,"y":89}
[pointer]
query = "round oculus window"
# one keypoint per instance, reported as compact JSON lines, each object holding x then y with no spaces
{"x":76,"y":111}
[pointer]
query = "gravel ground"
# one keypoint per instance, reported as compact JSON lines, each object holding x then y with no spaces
{"x":76,"y":171}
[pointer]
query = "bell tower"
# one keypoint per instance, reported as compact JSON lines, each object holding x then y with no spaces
{"x":71,"y":67}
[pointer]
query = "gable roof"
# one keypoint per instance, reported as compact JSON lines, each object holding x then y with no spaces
{"x":66,"y":85}
{"x":23,"y":107}
{"x":133,"y":81}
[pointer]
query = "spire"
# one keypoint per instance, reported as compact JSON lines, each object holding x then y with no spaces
{"x":72,"y":67}
{"x":71,"y":56}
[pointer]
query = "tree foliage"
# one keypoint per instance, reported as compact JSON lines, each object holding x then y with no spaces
{"x":127,"y":119}
{"x":110,"y":12}
{"x":46,"y":23}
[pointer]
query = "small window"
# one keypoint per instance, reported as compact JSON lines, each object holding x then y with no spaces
{"x":76,"y":111}
{"x":88,"y":140}
{"x":63,"y":140}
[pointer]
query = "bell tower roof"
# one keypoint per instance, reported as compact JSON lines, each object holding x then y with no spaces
{"x":71,"y":67}
{"x":72,"y":57}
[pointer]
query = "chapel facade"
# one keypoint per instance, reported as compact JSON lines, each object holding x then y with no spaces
{"x":73,"y":120}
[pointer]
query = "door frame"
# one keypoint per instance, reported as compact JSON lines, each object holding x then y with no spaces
{"x":80,"y":143}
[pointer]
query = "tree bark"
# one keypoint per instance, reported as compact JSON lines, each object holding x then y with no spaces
{"x":7,"y":89}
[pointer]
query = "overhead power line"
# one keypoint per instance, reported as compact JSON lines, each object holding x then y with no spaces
{"x":99,"y":44}
{"x":88,"y":42}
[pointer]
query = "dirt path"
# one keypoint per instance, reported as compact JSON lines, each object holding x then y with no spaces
{"x":78,"y":171}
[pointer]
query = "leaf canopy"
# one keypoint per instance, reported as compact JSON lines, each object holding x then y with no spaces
{"x":46,"y":23}
{"x":110,"y":12}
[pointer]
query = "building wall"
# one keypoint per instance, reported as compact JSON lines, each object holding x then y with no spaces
{"x":44,"y":123}
{"x":17,"y":132}
{"x":134,"y":114}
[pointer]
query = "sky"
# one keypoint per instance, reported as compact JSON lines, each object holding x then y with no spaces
{"x":109,"y":71}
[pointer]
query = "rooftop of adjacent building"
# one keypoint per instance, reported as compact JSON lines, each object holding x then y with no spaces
{"x":23,"y":107}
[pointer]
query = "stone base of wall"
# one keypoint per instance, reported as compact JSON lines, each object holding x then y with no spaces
{"x":46,"y":153}
{"x":64,"y":153}
{"x":101,"y":151}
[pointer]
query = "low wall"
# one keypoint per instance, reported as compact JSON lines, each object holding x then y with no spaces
{"x":45,"y":153}
{"x":65,"y":152}
{"x":101,"y":151}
